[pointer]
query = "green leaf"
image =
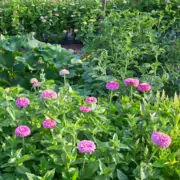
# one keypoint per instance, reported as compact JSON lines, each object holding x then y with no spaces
{"x":89,"y":169}
{"x":102,"y":178}
{"x":24,"y":158}
{"x":33,"y":177}
{"x":22,"y":170}
{"x":121,"y":175}
{"x":49,"y":175}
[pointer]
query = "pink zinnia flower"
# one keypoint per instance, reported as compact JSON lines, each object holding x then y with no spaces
{"x":91,"y":100}
{"x":85,"y":109}
{"x":49,"y":123}
{"x":22,"y":131}
{"x":37,"y":84}
{"x":22,"y":102}
{"x":112,"y":85}
{"x":86,"y":146}
{"x":161,"y":139}
{"x":131,"y":81}
{"x":63,"y":72}
{"x":33,"y":80}
{"x":144,"y":87}
{"x":49,"y":94}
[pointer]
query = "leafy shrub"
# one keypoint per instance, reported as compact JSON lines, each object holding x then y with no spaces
{"x":24,"y":56}
{"x":48,"y":18}
{"x":139,"y":44}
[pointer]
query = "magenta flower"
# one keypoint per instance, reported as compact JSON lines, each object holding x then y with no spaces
{"x":91,"y":100}
{"x":85,"y":109}
{"x":144,"y":87}
{"x":131,"y":81}
{"x":22,"y":102}
{"x":33,"y":80}
{"x":112,"y":85}
{"x":49,"y":123}
{"x":37,"y":84}
{"x":22,"y":131}
{"x":161,"y":139}
{"x":86,"y":146}
{"x":63,"y":72}
{"x":49,"y":94}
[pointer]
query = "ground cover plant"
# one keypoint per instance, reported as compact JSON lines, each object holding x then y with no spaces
{"x":46,"y":134}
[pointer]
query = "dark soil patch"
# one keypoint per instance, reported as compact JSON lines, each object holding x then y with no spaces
{"x":76,"y":47}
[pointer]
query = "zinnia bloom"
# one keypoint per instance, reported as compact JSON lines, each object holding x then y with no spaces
{"x":112,"y":85}
{"x":161,"y":139}
{"x":131,"y":81}
{"x":91,"y":100}
{"x":144,"y":87}
{"x":22,"y":102}
{"x":33,"y":80}
{"x":63,"y":72}
{"x":85,"y":109}
{"x":37,"y":84}
{"x":49,"y":123}
{"x":22,"y":131}
{"x":49,"y":94}
{"x":86,"y":146}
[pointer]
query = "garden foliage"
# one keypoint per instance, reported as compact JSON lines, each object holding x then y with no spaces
{"x":85,"y":117}
{"x":121,"y":130}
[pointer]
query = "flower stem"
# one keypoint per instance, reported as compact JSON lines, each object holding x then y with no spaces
{"x":64,"y":80}
{"x":84,"y":162}
{"x":23,"y":147}
{"x":152,"y":156}
{"x":131,"y":93}
{"x":111,"y":95}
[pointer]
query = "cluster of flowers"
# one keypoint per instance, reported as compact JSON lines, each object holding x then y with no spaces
{"x":35,"y":82}
{"x":89,"y":100}
{"x":143,"y":87}
{"x":86,"y":146}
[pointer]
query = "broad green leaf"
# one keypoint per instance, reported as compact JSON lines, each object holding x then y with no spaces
{"x":49,"y":175}
{"x":121,"y":175}
{"x":33,"y":177}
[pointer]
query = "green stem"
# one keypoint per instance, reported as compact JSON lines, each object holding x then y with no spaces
{"x":23,"y":147}
{"x":152,"y":155}
{"x":84,"y":162}
{"x":131,"y":93}
{"x":64,"y":80}
{"x":111,"y":95}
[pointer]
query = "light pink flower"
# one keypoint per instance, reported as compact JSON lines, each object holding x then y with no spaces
{"x":112,"y":85}
{"x":22,"y":102}
{"x":43,"y":20}
{"x":131,"y":81}
{"x":63,"y":72}
{"x":49,"y":123}
{"x":33,"y":80}
{"x":91,"y":100}
{"x":85,"y":109}
{"x":22,"y":131}
{"x":49,"y":94}
{"x":144,"y":87}
{"x":86,"y":146}
{"x":161,"y":139}
{"x":37,"y":84}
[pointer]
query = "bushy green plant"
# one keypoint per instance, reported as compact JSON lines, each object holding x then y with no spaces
{"x":24,"y":56}
{"x":48,"y":18}
{"x":140,"y":44}
{"x":121,"y":131}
